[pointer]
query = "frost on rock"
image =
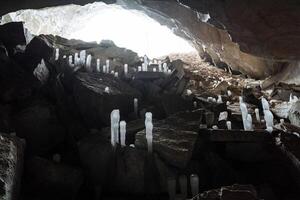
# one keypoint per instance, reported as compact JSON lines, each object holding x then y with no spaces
{"x":41,"y":72}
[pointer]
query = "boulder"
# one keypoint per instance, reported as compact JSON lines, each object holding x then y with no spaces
{"x":96,"y":104}
{"x":39,"y":48}
{"x":47,"y":180}
{"x":174,"y":146}
{"x":38,"y":124}
{"x":12,"y":34}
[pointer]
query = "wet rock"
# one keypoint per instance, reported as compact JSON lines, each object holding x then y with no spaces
{"x":174,"y":146}
{"x":11,"y":166}
{"x":48,"y":180}
{"x":12,"y":34}
{"x":39,"y":126}
{"x":96,"y":104}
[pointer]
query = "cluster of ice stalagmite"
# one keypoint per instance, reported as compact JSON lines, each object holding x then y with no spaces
{"x":268,"y":115}
{"x":183,"y":186}
{"x":81,"y":59}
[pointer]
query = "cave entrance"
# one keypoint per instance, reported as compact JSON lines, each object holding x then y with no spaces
{"x":98,"y":21}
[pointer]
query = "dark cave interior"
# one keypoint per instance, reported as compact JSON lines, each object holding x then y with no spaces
{"x":99,"y":120}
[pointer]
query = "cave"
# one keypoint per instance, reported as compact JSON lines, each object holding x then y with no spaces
{"x":150,"y":99}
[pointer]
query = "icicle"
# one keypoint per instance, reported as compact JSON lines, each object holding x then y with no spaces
{"x":149,"y":136}
{"x":195,"y":104}
{"x":154,"y":69}
{"x":82,"y":57}
{"x":115,"y":124}
{"x":159,"y":66}
{"x":249,"y":126}
{"x":56,"y":54}
{"x":229,"y":93}
{"x":169,"y":71}
{"x":70,"y":61}
{"x":98,"y":65}
{"x":189,"y":92}
{"x":116,"y":74}
{"x":107,"y":66}
{"x":112,"y":72}
{"x":194,"y":179}
{"x":123,"y":133}
{"x":112,"y":130}
{"x":244,"y":111}
{"x":241,"y":100}
{"x":76,"y":59}
{"x":228,"y":123}
{"x":139,"y":68}
{"x":281,"y":121}
{"x":172,"y":188}
{"x":265,"y":104}
{"x":219,"y":99}
{"x":144,"y":67}
{"x":257,"y":114}
{"x":148,"y":117}
{"x":126,"y":69}
{"x":165,"y":68}
{"x":183,"y":186}
{"x":269,"y":118}
{"x":64,"y":57}
{"x":104,"y":69}
{"x":269,"y":129}
{"x":227,"y":103}
{"x":136,"y":106}
{"x":89,"y":63}
{"x":107,"y":90}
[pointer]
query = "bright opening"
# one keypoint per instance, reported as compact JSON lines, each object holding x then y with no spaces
{"x":131,"y":29}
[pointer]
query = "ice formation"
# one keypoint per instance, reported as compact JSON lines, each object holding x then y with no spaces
{"x":257,"y":114}
{"x":125,"y":69}
{"x":98,"y":65}
{"x":228,"y":124}
{"x":123,"y":133}
{"x":56,"y":54}
{"x":136,"y":106}
{"x":114,"y":125}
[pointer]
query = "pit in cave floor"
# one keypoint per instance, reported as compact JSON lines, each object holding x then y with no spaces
{"x":92,"y":120}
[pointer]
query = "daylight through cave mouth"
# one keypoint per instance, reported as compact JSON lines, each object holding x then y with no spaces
{"x":131,"y":29}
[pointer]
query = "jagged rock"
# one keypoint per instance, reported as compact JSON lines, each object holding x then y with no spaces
{"x":48,"y":180}
{"x":234,"y":192}
{"x":95,"y":104}
{"x":39,"y":126}
{"x":15,"y":83}
{"x":294,"y":114}
{"x":38,"y":48}
{"x":12,"y":34}
{"x":174,"y":146}
{"x":11,"y":166}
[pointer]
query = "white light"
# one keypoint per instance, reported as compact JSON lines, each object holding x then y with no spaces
{"x":131,"y":29}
